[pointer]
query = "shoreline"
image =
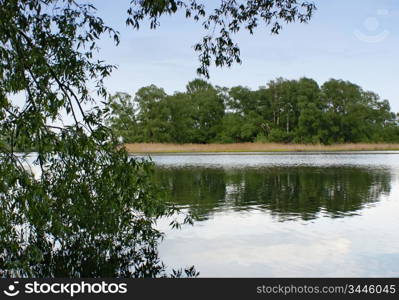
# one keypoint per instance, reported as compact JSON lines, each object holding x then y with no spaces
{"x":254,"y":148}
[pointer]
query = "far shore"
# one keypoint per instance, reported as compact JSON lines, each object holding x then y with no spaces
{"x":253,"y":147}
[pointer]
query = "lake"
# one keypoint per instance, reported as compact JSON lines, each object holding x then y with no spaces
{"x":283,"y":215}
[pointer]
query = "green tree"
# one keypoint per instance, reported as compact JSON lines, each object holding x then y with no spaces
{"x":181,"y":118}
{"x":347,"y":112}
{"x":310,"y":109}
{"x":208,"y":110}
{"x":88,"y":210}
{"x":83,"y":208}
{"x":242,"y":101}
{"x":153,"y":114}
{"x":230,"y":129}
{"x":123,"y":117}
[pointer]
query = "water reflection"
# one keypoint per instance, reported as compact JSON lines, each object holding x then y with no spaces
{"x":286,"y":193}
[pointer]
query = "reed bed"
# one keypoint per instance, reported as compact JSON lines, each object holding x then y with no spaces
{"x":253,"y":147}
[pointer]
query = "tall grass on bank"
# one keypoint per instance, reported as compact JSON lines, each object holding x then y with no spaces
{"x":252,"y":147}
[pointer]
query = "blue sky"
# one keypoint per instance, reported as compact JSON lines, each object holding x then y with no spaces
{"x":353,"y":40}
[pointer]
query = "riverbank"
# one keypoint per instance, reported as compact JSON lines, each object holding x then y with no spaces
{"x":253,"y":147}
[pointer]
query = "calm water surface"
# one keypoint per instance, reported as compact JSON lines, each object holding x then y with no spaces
{"x":270,"y":215}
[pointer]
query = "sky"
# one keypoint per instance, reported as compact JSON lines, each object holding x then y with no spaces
{"x":353,"y":40}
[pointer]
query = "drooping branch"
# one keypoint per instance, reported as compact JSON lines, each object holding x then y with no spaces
{"x":221,"y":23}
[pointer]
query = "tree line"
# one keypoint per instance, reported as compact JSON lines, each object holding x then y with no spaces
{"x":288,"y":111}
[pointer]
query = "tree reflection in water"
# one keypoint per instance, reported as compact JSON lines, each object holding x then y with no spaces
{"x":302,"y":193}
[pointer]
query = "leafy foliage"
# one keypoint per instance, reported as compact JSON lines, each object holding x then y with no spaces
{"x":228,"y":18}
{"x":79,"y":205}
